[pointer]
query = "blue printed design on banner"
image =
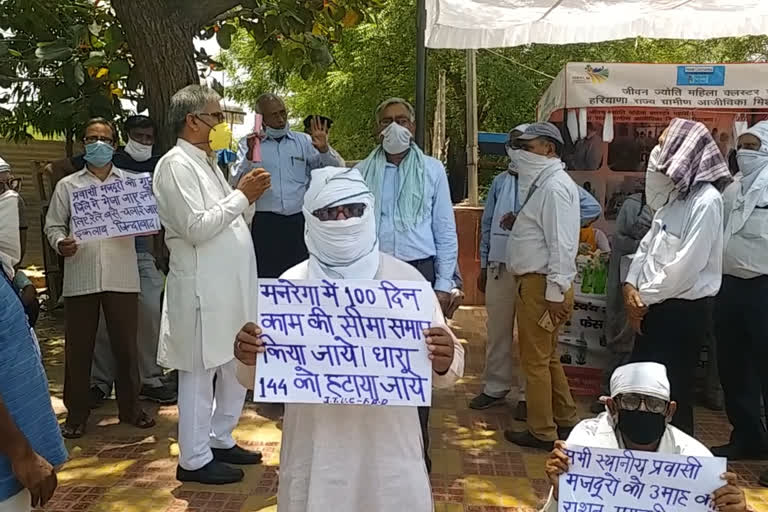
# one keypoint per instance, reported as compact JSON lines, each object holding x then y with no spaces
{"x":707,"y":76}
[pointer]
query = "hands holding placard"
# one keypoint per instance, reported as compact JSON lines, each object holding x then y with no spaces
{"x":728,"y":498}
{"x":67,"y":247}
{"x":248,"y":344}
{"x":254,"y":184}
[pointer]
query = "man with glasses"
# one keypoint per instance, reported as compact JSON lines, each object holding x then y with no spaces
{"x":211,"y":288}
{"x":277,"y":228}
{"x":100,"y":274}
{"x":349,"y":458}
{"x":541,"y":253}
{"x":637,"y":417}
{"x":413,"y":209}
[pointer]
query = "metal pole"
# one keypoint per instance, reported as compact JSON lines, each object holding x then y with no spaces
{"x":472,"y":146}
{"x":421,"y":73}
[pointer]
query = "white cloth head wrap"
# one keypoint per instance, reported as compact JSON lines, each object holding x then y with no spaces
{"x":641,"y":378}
{"x":340,"y":249}
{"x":520,"y":128}
{"x":4,"y":166}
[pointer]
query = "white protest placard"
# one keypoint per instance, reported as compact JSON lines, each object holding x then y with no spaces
{"x":601,"y":480}
{"x":354,"y":342}
{"x":118,"y":207}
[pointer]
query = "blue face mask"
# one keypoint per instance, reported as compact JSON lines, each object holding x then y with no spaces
{"x":99,"y":153}
{"x":276,"y":133}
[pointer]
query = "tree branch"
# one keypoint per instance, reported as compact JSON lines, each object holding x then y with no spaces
{"x":202,"y":12}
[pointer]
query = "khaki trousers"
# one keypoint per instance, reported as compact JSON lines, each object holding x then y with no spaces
{"x":550,"y":404}
{"x":500,"y":295}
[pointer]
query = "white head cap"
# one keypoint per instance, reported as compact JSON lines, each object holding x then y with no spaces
{"x":641,"y":378}
{"x":521,"y":127}
{"x":4,"y":166}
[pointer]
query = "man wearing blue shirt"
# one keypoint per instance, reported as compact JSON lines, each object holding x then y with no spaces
{"x":414,"y":213}
{"x":30,"y":441}
{"x":500,"y":289}
{"x":278,"y":224}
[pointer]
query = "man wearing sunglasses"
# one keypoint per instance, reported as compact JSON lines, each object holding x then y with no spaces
{"x":637,"y":417}
{"x":330,"y":451}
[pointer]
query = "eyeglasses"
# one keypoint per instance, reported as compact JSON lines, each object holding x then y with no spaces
{"x":95,"y":138}
{"x":632,"y":402}
{"x":218,"y":116}
{"x":332,"y":212}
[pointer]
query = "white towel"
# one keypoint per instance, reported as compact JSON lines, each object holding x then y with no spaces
{"x":582,"y":123}
{"x":573,"y":125}
{"x":608,"y":127}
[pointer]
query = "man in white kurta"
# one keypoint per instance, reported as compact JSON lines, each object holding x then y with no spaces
{"x":637,"y":418}
{"x":210,"y":291}
{"x":340,"y":457}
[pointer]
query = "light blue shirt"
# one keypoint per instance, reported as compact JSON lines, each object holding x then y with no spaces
{"x":502,"y":199}
{"x":290,"y":162}
{"x":435,"y":236}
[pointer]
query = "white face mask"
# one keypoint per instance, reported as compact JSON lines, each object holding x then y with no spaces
{"x":513,"y":155}
{"x":751,"y":161}
{"x":138,"y":151}
{"x":533,"y":163}
{"x":659,"y":190}
{"x":396,"y":139}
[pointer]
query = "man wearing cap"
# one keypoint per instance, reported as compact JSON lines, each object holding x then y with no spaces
{"x":637,"y":418}
{"x":277,"y":228}
{"x":500,"y":290}
{"x":541,"y":253}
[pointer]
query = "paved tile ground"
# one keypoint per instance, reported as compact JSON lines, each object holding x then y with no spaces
{"x":119,"y":469}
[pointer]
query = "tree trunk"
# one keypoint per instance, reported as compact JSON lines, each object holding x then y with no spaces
{"x":161,"y":43}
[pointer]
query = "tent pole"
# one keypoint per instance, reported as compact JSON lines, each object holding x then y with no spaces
{"x":472,"y":146}
{"x":421,"y":73}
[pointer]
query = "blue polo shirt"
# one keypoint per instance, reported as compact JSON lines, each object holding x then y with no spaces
{"x":24,"y":389}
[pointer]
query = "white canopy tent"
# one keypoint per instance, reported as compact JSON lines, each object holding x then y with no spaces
{"x":476,"y":24}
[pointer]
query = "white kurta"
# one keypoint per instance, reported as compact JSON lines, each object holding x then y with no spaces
{"x":213,"y":264}
{"x":352,"y":458}
{"x":599,"y":432}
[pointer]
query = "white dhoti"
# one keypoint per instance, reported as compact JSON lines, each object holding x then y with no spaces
{"x":207,"y":418}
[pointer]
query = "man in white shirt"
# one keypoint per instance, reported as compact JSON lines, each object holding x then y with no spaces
{"x":636,"y":417}
{"x":541,"y":252}
{"x":97,"y":274}
{"x":741,"y":317}
{"x":677,"y":268}
{"x":211,"y":287}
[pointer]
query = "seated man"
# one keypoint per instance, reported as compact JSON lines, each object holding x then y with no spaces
{"x":637,"y":418}
{"x":330,"y":451}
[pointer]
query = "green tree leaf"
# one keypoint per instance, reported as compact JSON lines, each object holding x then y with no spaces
{"x":119,"y":69}
{"x":224,"y":35}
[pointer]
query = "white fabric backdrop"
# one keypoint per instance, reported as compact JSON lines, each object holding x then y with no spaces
{"x":504,"y":23}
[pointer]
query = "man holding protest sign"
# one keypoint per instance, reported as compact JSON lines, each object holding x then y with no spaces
{"x":637,"y":418}
{"x":99,"y":273}
{"x":211,"y":288}
{"x":331,"y":454}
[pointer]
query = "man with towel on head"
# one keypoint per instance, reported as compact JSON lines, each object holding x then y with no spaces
{"x":351,"y":458}
{"x":637,"y":418}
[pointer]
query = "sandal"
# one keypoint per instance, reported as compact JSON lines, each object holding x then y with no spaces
{"x":72,"y":431}
{"x":143,"y":421}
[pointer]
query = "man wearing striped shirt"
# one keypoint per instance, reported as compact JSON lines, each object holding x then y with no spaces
{"x":30,"y":443}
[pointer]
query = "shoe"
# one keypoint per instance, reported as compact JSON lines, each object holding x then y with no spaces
{"x":483,"y":401}
{"x":96,"y":397}
{"x":564,"y":432}
{"x":213,"y":473}
{"x":763,"y":479}
{"x":161,"y":395}
{"x":521,"y":411}
{"x":237,"y":455}
{"x":527,"y":440}
{"x":736,"y":452}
